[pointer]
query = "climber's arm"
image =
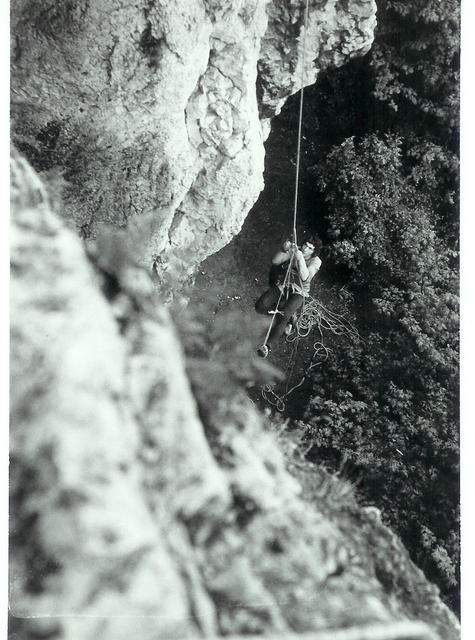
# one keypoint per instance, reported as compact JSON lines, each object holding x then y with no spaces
{"x":285,"y":252}
{"x":280,"y":257}
{"x":301,"y":265}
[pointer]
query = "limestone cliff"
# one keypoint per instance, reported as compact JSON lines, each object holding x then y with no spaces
{"x":149,"y":109}
{"x":145,"y":506}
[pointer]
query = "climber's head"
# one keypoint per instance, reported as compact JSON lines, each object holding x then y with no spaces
{"x":311,"y":248}
{"x":308,"y":249}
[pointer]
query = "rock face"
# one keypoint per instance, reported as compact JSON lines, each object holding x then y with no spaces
{"x":290,"y":58}
{"x":143,"y":508}
{"x":149,"y":109}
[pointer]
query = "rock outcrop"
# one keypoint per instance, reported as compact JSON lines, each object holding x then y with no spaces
{"x":150,"y":110}
{"x":142,"y":507}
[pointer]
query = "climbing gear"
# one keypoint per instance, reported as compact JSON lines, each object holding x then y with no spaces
{"x":315,"y":314}
{"x":299,"y":136}
{"x":287,"y":281}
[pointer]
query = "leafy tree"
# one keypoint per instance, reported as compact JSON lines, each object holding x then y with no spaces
{"x":415,"y":60}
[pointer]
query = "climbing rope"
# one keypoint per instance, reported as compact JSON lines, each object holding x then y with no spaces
{"x":299,"y":135}
{"x":285,"y":288}
{"x":268,"y":391}
{"x":313,"y":313}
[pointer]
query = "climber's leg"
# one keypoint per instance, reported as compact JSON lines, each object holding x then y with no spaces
{"x":269,"y":304}
{"x":268,"y":301}
{"x":289,"y":327}
{"x":293,"y":304}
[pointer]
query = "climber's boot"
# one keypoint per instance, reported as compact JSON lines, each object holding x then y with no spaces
{"x":263,"y":351}
{"x":291,"y":324}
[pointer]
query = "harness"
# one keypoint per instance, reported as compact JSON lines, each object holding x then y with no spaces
{"x":291,"y":283}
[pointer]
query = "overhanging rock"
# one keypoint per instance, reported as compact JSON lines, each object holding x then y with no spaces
{"x":148,"y":110}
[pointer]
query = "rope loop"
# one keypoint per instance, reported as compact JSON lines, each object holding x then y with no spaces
{"x":313,"y":317}
{"x":272,"y":398}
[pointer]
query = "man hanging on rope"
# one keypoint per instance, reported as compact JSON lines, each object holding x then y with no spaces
{"x":290,"y":276}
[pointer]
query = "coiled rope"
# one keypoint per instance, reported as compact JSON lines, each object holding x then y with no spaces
{"x":314,"y":315}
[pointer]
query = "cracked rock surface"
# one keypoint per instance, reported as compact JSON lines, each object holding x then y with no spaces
{"x":140,"y":509}
{"x":157,"y":110}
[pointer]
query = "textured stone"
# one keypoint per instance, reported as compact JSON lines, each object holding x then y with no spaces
{"x":290,"y":59}
{"x":88,"y":532}
{"x":149,"y":108}
{"x":136,"y":509}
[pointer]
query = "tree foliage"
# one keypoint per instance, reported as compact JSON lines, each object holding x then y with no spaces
{"x":415,"y":58}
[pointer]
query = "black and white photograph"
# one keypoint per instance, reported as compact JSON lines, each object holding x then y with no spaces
{"x":234,"y":329}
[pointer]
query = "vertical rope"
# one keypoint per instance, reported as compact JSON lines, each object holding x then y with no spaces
{"x":300,"y":123}
{"x":287,"y":276}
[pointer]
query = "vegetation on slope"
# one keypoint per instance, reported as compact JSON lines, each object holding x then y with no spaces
{"x":369,"y":559}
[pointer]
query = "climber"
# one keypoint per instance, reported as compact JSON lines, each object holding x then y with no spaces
{"x":287,"y":288}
